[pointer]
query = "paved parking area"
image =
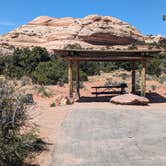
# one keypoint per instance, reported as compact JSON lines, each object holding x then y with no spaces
{"x":102,"y":134}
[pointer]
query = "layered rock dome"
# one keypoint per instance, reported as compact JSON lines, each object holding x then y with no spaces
{"x":93,"y":31}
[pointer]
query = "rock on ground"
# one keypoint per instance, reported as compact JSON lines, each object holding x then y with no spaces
{"x":130,"y":99}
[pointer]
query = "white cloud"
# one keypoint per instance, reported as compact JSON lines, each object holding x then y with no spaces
{"x":7,"y":23}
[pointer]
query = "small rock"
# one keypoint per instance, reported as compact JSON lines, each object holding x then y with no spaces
{"x":66,"y":101}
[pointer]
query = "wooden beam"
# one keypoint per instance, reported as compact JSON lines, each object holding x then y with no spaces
{"x":133,"y":90}
{"x":122,"y":58}
{"x":78,"y":79}
{"x":143,"y":78}
{"x":70,"y":78}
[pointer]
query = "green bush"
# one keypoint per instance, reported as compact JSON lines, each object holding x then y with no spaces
{"x":44,"y":92}
{"x":73,"y":46}
{"x":153,"y":87}
{"x":133,"y":46}
{"x":153,"y":68}
{"x":38,"y":65}
{"x":51,"y":72}
{"x":15,"y":143}
{"x":90,"y":68}
{"x":124,"y":76}
{"x":53,"y":104}
{"x":108,"y":82}
{"x":24,"y":61}
{"x":162,"y":79}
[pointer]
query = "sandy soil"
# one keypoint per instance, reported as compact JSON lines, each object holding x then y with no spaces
{"x":48,"y":120}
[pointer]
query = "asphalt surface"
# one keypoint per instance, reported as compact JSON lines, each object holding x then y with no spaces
{"x":111,"y":135}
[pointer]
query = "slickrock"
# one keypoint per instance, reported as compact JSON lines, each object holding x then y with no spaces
{"x":90,"y":32}
{"x":155,"y":39}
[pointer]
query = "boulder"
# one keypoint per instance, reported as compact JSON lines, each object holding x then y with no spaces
{"x":129,"y":99}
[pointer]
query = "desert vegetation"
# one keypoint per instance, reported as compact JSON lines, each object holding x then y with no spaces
{"x":18,"y":138}
{"x":49,"y":69}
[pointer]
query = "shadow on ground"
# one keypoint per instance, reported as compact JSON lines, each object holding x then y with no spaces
{"x":90,"y":99}
{"x":87,"y":99}
{"x":153,"y":97}
{"x":156,"y":98}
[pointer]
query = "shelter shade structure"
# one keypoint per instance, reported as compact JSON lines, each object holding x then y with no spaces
{"x":78,"y":79}
{"x":143,"y":78}
{"x":70,"y":78}
{"x":75,"y":56}
{"x":133,"y":90}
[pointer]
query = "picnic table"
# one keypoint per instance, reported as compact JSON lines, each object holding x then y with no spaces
{"x":110,"y":89}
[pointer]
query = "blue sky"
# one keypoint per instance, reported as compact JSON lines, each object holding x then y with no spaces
{"x":146,"y":15}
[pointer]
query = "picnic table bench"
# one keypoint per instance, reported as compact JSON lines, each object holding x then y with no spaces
{"x":110,"y":89}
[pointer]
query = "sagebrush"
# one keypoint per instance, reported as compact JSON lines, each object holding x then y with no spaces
{"x":16,"y":137}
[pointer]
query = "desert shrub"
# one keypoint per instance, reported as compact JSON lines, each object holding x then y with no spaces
{"x":68,"y":102}
{"x":137,"y":86}
{"x":53,"y":104}
{"x":3,"y":62}
{"x":15,"y":142}
{"x":51,"y":72}
{"x":124,"y":76}
{"x":114,"y":83}
{"x":83,"y":75}
{"x":81,"y":85}
{"x":153,"y":87}
{"x":24,"y":61}
{"x":60,"y":83}
{"x":133,"y":46}
{"x":137,"y":82}
{"x":162,"y":79}
{"x":106,"y":67}
{"x":38,"y":65}
{"x":73,"y":46}
{"x":153,"y":68}
{"x":25,"y":80}
{"x":149,"y":77}
{"x":44,"y":92}
{"x":90,"y":68}
{"x":108,"y":82}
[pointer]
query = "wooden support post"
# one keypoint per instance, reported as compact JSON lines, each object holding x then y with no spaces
{"x":70,"y":79}
{"x":133,"y":90}
{"x":143,"y":78}
{"x":78,"y":79}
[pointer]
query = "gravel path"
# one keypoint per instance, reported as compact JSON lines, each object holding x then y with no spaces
{"x":102,"y":134}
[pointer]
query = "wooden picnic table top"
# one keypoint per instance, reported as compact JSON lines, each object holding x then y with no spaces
{"x":112,"y":86}
{"x":122,"y":85}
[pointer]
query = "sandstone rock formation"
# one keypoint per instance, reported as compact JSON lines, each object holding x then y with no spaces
{"x":130,"y":99}
{"x":90,"y":32}
{"x":155,"y":39}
